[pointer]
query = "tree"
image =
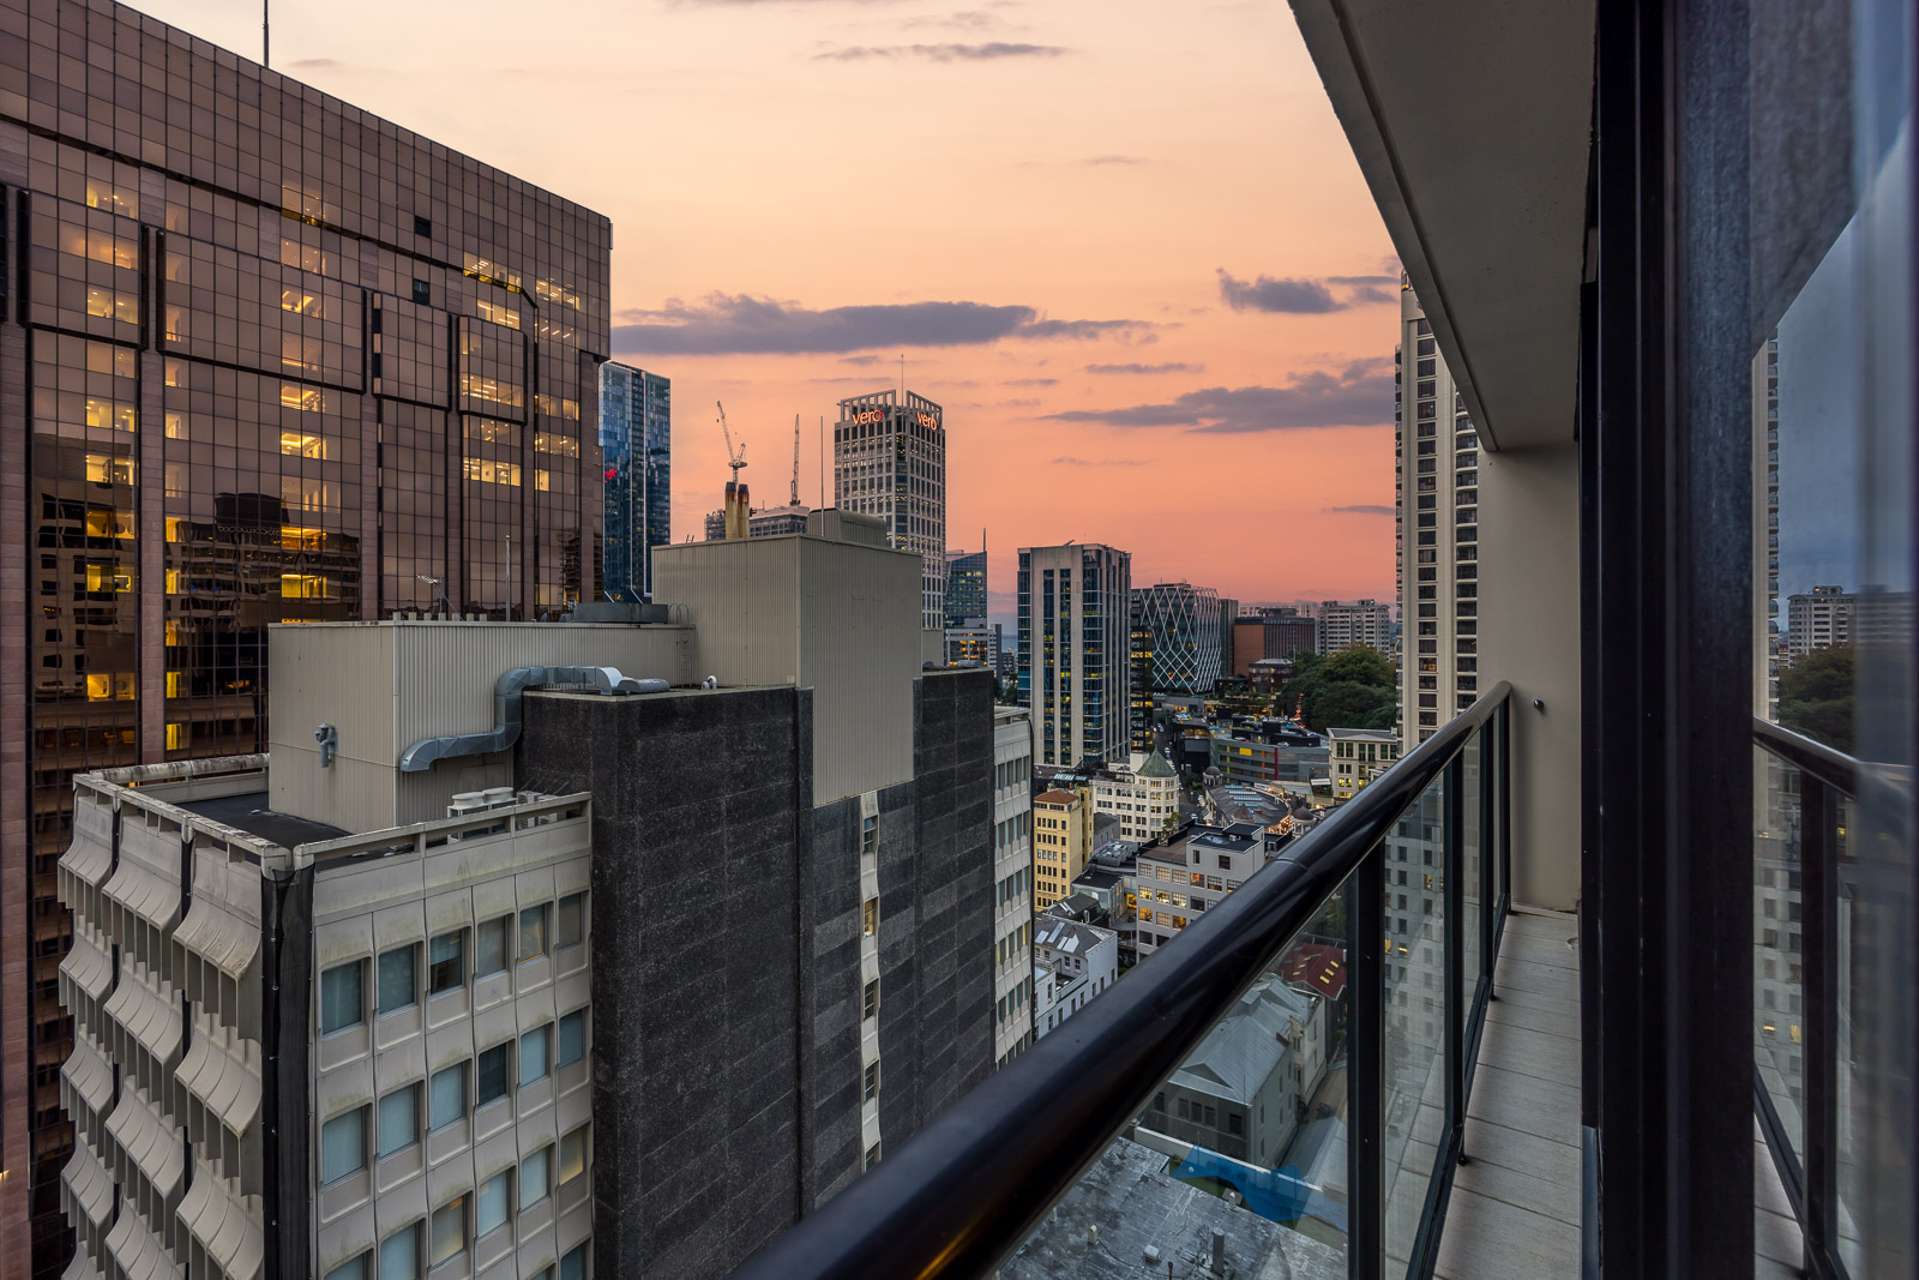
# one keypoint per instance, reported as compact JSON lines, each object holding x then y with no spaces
{"x":1816,"y":697}
{"x":1351,"y":689}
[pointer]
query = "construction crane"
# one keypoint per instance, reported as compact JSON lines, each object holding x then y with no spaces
{"x":735,"y":458}
{"x":738,"y":503}
{"x":794,"y":497}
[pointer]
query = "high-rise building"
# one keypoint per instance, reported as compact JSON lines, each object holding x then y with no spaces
{"x":1345,"y":623}
{"x":761,"y":522}
{"x":1188,"y":643}
{"x":1436,"y":481}
{"x":342,"y":1010}
{"x":889,"y":460}
{"x":1281,"y":632}
{"x":1012,"y":883}
{"x":1074,"y":656}
{"x":966,"y":587}
{"x":636,"y":445}
{"x":1139,"y":693}
{"x":267,"y":357}
{"x":1062,"y":841}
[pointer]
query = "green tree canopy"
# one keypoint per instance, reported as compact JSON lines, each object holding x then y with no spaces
{"x":1816,"y":697}
{"x":1351,"y":689}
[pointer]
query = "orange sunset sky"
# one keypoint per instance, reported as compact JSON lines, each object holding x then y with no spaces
{"x":1123,"y":242}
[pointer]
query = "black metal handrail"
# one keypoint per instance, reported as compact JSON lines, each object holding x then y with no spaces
{"x":1809,"y":1171}
{"x":964,"y":1191}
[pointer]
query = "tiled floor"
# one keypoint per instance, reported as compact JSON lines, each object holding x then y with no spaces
{"x":1515,"y":1206}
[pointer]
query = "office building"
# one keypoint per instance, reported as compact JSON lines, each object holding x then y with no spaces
{"x":1074,"y":655}
{"x":1272,"y":634}
{"x":1188,"y":870}
{"x":1139,"y":692}
{"x":980,"y":644}
{"x":1012,"y":883}
{"x":1062,"y":841}
{"x":1072,"y":963}
{"x":1436,"y":454}
{"x":272,"y":358}
{"x":636,"y":447}
{"x":889,"y":461}
{"x":762,"y":522}
{"x":455,"y":937}
{"x":1188,"y":640}
{"x":1358,"y":756}
{"x":1342,"y":624}
{"x":1142,"y":793}
{"x":966,"y":586}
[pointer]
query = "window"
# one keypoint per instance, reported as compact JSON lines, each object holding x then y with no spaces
{"x":534,"y":1046}
{"x":570,"y":929}
{"x":870,"y":917}
{"x":351,"y":1269}
{"x":493,"y":1204}
{"x":573,"y":1155}
{"x":422,"y":294}
{"x":342,"y":1003}
{"x":343,"y":1146}
{"x":400,"y":1254}
{"x":490,"y":1075}
{"x":872,"y":1079}
{"x":422,"y":225}
{"x":533,"y":1175}
{"x":572,"y":1045}
{"x":449,"y":1230}
{"x":446,"y":962}
{"x":399,"y":1125}
{"x":397,"y":985}
{"x":1235,"y":1123}
{"x":491,"y":947}
{"x":448,"y":1089}
{"x":533,"y":932}
{"x":870,"y":1000}
{"x":872,"y":1156}
{"x":573,"y":1265}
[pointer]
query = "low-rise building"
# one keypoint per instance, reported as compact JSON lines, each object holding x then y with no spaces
{"x":1012,"y":883}
{"x":1359,"y":756}
{"x":1072,"y":964}
{"x":1062,"y":841}
{"x":762,"y":522}
{"x":1143,"y":794}
{"x":1179,"y":877}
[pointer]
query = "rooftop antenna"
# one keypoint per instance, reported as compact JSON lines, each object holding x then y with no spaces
{"x":795,"y":497}
{"x":902,"y":379}
{"x":822,"y":444}
{"x":266,"y":31}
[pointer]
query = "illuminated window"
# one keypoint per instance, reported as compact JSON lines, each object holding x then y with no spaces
{"x":307,"y":257}
{"x":102,"y":523}
{"x":305,"y":399}
{"x":499,"y":313}
{"x":176,"y":426}
{"x":488,"y":471}
{"x":102,"y":194}
{"x":173,"y":683}
{"x":305,"y":586}
{"x":300,"y":302}
{"x":303,"y":444}
{"x":554,"y":442}
{"x":176,"y":736}
{"x":173,"y":582}
{"x":541,"y":480}
{"x":294,"y":537}
{"x":107,"y":468}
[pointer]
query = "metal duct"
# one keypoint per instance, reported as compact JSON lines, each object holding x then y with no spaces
{"x":425,"y":753}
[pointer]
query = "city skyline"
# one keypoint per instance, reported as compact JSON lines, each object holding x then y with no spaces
{"x":1273,"y":307}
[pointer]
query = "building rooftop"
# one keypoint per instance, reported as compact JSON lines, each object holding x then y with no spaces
{"x":1068,"y":937}
{"x":1056,"y":796}
{"x":1125,"y":1218}
{"x":1362,"y":735}
{"x":1098,"y":877}
{"x":1156,"y":766}
{"x":249,"y":812}
{"x":1244,"y":1047}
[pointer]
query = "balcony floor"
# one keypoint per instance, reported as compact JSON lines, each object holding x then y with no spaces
{"x":1515,"y":1208}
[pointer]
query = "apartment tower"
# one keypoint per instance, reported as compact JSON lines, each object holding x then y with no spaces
{"x":1074,"y":655}
{"x":1436,"y":484}
{"x":308,"y":366}
{"x":889,"y":460}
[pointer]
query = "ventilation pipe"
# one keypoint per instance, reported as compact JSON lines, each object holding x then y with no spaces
{"x":427,"y":752}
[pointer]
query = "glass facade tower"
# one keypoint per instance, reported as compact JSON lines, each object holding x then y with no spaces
{"x":266,"y":358}
{"x":636,"y":446}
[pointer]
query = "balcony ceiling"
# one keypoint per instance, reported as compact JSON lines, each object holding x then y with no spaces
{"x":1471,"y":121}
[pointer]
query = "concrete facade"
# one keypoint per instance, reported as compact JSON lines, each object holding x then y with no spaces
{"x":1012,"y":883}
{"x":1062,"y":841}
{"x":1358,"y":756}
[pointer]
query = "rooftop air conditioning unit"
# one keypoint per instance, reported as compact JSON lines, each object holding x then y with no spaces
{"x":465,"y":803}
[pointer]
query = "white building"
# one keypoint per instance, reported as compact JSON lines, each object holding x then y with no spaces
{"x":1180,"y":878}
{"x":1345,"y":623}
{"x":889,"y":460}
{"x":1143,"y":794}
{"x":1075,"y":614}
{"x":1012,"y":883}
{"x":1357,"y":756}
{"x":1072,"y":963}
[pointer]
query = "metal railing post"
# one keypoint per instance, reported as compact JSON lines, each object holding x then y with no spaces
{"x":1453,"y":861}
{"x":1819,"y":930}
{"x":1365,"y":1054}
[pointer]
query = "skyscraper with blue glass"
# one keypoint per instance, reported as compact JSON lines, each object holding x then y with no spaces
{"x":636,"y":415}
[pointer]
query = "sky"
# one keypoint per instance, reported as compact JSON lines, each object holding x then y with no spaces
{"x":1123,"y":243}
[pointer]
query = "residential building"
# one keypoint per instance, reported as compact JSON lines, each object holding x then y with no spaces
{"x":1343,"y":624}
{"x":966,"y":587}
{"x":1188,"y":644}
{"x":1275,"y":632}
{"x":1242,"y":1092}
{"x":889,"y":460}
{"x":762,"y":522}
{"x":980,"y":643}
{"x":253,"y":376}
{"x":453,"y":934}
{"x":636,"y":446}
{"x":1142,"y":793}
{"x":1359,"y":756}
{"x":1072,"y":964}
{"x":1074,"y":611}
{"x":1819,"y":619}
{"x":1436,"y":455}
{"x":1012,"y":883}
{"x":1179,"y":876}
{"x":1139,"y":675}
{"x":1062,"y":841}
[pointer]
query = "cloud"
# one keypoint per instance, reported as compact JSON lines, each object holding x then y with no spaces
{"x":1300,"y":295}
{"x":315,"y":64}
{"x":1171,"y":366}
{"x":1032,"y":382}
{"x":990,"y":51}
{"x":961,"y":20}
{"x":1068,"y":460}
{"x":1114,"y":159}
{"x":1364,"y":509}
{"x":862,"y":361}
{"x":1359,"y":395}
{"x":736,"y":324}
